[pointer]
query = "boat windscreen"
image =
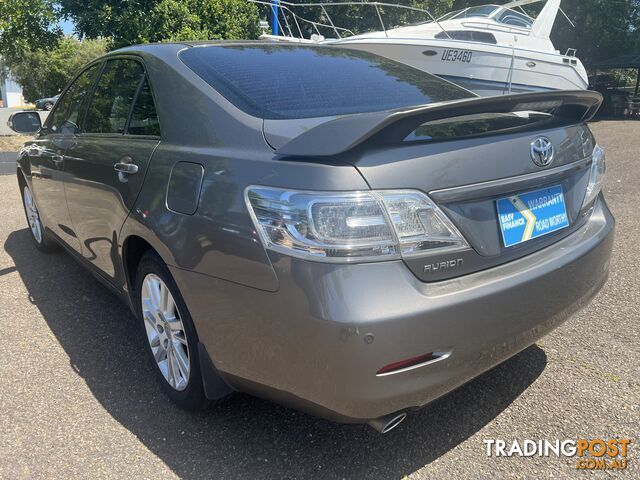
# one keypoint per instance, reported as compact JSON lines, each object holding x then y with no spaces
{"x":449,"y":15}
{"x":517,"y":19}
{"x":480,"y":11}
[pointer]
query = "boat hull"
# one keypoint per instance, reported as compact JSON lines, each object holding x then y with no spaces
{"x":487,"y":70}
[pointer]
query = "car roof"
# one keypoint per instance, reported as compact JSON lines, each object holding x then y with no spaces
{"x":166,"y":50}
{"x":199,"y":43}
{"x":151,"y":47}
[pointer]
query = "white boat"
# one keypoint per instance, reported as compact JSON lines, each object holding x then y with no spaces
{"x":489,"y":49}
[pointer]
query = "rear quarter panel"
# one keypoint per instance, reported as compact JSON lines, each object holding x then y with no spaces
{"x":201,"y":127}
{"x":219,"y":239}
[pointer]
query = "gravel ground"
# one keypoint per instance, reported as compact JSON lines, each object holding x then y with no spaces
{"x":77,"y":399}
{"x":12,"y":143}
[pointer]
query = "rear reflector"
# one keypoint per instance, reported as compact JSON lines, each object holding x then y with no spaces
{"x":413,"y":362}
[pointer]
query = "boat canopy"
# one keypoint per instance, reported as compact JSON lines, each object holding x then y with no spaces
{"x":500,"y":14}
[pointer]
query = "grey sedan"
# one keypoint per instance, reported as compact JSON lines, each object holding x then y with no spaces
{"x":322,"y":227}
{"x":46,"y":103}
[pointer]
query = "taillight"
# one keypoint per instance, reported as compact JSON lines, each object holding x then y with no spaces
{"x":351,"y":226}
{"x":596,"y":176}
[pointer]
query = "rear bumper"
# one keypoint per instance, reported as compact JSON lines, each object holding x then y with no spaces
{"x":309,"y":344}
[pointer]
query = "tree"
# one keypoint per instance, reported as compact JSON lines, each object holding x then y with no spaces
{"x":603,"y":28}
{"x":127,"y":22}
{"x":44,"y":73}
{"x":25,"y":23}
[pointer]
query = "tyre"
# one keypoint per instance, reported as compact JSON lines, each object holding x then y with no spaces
{"x":38,"y":233}
{"x":169,"y":334}
{"x":47,"y":106}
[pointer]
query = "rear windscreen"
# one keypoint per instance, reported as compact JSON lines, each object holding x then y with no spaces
{"x":285,"y":82}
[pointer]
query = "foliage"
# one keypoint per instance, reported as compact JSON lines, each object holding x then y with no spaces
{"x":44,"y":73}
{"x":625,"y":77}
{"x":127,"y":22}
{"x":42,"y":60}
{"x":24,"y":23}
{"x":604,"y":29}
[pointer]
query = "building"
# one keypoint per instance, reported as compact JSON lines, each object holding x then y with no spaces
{"x":10,"y":91}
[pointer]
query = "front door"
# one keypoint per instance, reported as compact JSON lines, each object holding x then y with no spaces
{"x":46,"y":157}
{"x":107,"y":161}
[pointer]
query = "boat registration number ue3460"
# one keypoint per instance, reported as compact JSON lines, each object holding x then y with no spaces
{"x":454,"y":55}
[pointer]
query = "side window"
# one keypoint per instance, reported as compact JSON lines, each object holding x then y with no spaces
{"x":144,"y":119}
{"x":468,"y":35}
{"x":66,"y":116}
{"x":113,"y":96}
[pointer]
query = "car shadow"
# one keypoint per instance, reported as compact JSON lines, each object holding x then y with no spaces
{"x":244,"y":436}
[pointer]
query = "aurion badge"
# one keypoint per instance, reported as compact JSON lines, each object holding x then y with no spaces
{"x":542,"y":151}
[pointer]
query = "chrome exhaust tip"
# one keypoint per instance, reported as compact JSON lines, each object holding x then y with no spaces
{"x":388,"y":422}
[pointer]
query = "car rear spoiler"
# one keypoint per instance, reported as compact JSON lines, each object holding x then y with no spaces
{"x":347,"y":132}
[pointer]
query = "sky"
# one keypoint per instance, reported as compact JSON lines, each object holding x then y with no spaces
{"x":67,"y":26}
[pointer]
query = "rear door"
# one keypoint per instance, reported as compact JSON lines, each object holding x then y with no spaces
{"x":107,"y":161}
{"x":46,"y":157}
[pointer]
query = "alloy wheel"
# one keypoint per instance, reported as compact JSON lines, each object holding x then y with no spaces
{"x":165,"y":332}
{"x":32,"y":215}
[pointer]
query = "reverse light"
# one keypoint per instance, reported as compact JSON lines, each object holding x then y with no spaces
{"x":421,"y":227}
{"x":350,"y":226}
{"x":596,"y":176}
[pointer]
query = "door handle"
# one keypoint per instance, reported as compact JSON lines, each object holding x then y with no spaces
{"x":128,"y":168}
{"x":57,"y":160}
{"x":125,"y":167}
